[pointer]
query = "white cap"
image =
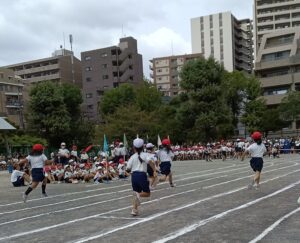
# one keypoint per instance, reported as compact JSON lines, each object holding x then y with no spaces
{"x":97,"y":163}
{"x":63,"y":144}
{"x":81,"y":165}
{"x":138,"y":143}
{"x":149,"y":145}
{"x":71,"y":161}
{"x":66,"y":166}
{"x":95,"y":157}
{"x":99,"y":167}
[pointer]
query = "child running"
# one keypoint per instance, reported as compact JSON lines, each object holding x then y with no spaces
{"x":256,"y":151}
{"x":138,"y":166}
{"x":37,"y":161}
{"x":151,"y":153}
{"x":165,"y":156}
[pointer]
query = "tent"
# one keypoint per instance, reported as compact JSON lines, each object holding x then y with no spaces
{"x":5,"y":126}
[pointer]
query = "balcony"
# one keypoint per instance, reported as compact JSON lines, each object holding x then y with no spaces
{"x":274,"y":99}
{"x":276,"y":81}
{"x":38,"y":69}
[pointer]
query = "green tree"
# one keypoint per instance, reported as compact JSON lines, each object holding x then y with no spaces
{"x":205,"y":113}
{"x":271,"y":121}
{"x":148,"y":98}
{"x":115,"y":98}
{"x":289,"y":108}
{"x":54,"y":114}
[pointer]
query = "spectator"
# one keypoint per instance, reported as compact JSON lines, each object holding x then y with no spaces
{"x":63,"y":154}
{"x":18,"y":177}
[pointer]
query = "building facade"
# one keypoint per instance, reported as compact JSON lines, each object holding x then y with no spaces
{"x":274,"y":15}
{"x":62,"y":67}
{"x":278,"y":65}
{"x":226,"y":39}
{"x":12,"y":93}
{"x":107,"y":68}
{"x":165,"y":72}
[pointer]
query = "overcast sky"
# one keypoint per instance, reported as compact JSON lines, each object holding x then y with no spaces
{"x":33,"y":29}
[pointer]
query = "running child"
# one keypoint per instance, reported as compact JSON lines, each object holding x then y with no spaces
{"x":138,"y":166}
{"x":37,"y":160}
{"x":151,"y":153}
{"x":165,"y":156}
{"x":256,"y":151}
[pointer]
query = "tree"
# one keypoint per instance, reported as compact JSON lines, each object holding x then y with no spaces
{"x":271,"y":121}
{"x":148,"y":98}
{"x":205,"y":113}
{"x":289,"y":108}
{"x":114,"y":98}
{"x":54,"y":114}
{"x":131,"y":121}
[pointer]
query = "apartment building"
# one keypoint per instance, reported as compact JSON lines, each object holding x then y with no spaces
{"x":225,"y":38}
{"x":274,"y":15}
{"x":107,"y":68}
{"x":12,"y":97}
{"x":62,"y":67}
{"x":165,"y":72}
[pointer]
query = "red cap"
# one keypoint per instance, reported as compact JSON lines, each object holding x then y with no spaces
{"x":166,"y":142}
{"x":38,"y":147}
{"x":256,"y":135}
{"x":121,"y":161}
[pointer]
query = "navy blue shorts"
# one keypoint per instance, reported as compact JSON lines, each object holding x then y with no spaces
{"x":149,"y":170}
{"x":19,"y":182}
{"x":165,"y":167}
{"x":256,"y":164}
{"x":37,"y":174}
{"x":139,"y":182}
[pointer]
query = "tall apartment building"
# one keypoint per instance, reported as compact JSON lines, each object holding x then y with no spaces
{"x":225,"y":38}
{"x":274,"y":15}
{"x":63,"y":66}
{"x":165,"y":72}
{"x":107,"y":68}
{"x":11,"y":97}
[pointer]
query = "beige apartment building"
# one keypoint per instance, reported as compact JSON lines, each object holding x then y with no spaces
{"x":165,"y":72}
{"x":63,"y":66}
{"x":274,"y":15}
{"x":12,"y":97}
{"x":277,"y":50}
{"x":225,"y":38}
{"x":278,"y":65}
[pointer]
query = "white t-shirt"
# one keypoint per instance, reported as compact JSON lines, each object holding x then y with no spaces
{"x":37,"y":161}
{"x":135,"y":165}
{"x":256,"y":150}
{"x":15,"y":174}
{"x":63,"y":152}
{"x":163,"y":156}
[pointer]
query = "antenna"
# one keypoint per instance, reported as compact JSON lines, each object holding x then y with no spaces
{"x":172,"y":47}
{"x":71,"y":41}
{"x":64,"y":39}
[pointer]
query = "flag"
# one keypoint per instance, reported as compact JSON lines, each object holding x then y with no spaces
{"x":88,"y":148}
{"x":137,"y":135}
{"x":125,"y":141}
{"x":169,"y":138}
{"x":105,"y":145}
{"x":147,"y":139}
{"x":158,"y":140}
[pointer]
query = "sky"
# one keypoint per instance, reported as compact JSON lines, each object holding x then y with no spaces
{"x":33,"y":29}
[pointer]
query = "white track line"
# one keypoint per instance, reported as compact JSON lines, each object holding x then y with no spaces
{"x":190,"y":228}
{"x":138,"y":222}
{"x":96,"y":203}
{"x":105,"y":188}
{"x":273,"y":226}
{"x":109,"y":193}
{"x":200,"y":223}
{"x":241,"y":178}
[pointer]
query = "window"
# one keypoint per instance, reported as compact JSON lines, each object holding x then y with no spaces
{"x":104,"y":54}
{"x":100,"y":92}
{"x":220,"y":20}
{"x":211,"y":21}
{"x":88,"y":69}
{"x":88,"y":95}
{"x":105,"y":76}
{"x":211,"y":33}
{"x":88,"y":79}
{"x":275,"y":56}
{"x":87,"y":58}
{"x":129,"y":56}
{"x":104,"y":65}
{"x":159,"y":70}
{"x":115,"y":84}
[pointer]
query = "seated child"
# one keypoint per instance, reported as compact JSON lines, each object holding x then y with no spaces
{"x":18,"y":177}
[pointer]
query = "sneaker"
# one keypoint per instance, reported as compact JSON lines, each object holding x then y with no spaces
{"x":134,"y":212}
{"x":44,"y":194}
{"x":24,"y":196}
{"x":172,"y":185}
{"x":256,"y":187}
{"x":137,"y":198}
